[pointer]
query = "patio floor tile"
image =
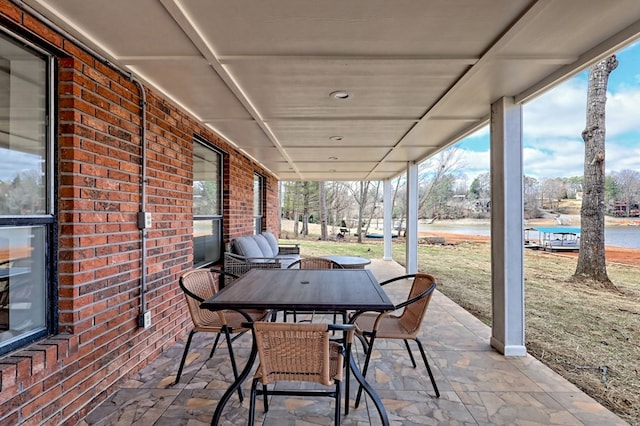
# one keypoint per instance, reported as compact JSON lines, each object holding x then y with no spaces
{"x":478,"y":386}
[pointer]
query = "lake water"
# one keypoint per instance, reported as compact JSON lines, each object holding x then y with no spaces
{"x":620,"y":236}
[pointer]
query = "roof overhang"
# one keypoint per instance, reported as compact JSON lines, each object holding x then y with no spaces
{"x":420,"y":75}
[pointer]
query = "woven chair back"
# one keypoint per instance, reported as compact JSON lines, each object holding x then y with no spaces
{"x":199,"y":285}
{"x":315,"y":263}
{"x":293,"y":352}
{"x":413,"y":314}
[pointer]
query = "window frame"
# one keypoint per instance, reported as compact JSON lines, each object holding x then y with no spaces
{"x":216,"y":219}
{"x":48,"y":219}
{"x":258,"y":225}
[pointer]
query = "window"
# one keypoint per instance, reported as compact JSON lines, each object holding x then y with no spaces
{"x":258,"y":203}
{"x":207,"y":202}
{"x":27,"y":298}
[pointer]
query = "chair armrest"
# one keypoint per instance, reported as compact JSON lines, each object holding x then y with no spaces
{"x":403,"y":277}
{"x":341,"y":327}
{"x":292,"y":248}
{"x":236,"y":265}
{"x":418,"y":297}
{"x":255,"y":260}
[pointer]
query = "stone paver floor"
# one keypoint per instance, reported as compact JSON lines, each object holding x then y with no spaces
{"x":478,"y":386}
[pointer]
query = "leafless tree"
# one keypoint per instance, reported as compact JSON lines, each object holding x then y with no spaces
{"x":554,"y":189}
{"x":591,"y":260}
{"x":375,"y":196}
{"x":531,"y":188}
{"x":306,"y":193}
{"x":294,"y":197}
{"x":341,"y":202}
{"x":398,"y":201}
{"x":323,"y":211}
{"x":361,"y":197}
{"x":433,"y":172}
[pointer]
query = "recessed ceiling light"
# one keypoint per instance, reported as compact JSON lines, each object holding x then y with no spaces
{"x":333,"y":158}
{"x":335,"y":138}
{"x":339,"y":94}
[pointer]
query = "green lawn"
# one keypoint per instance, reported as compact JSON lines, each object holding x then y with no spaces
{"x":588,"y":335}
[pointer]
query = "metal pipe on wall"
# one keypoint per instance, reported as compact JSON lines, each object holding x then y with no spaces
{"x":143,"y":125}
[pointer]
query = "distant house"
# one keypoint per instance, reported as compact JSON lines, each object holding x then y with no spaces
{"x":624,"y":209}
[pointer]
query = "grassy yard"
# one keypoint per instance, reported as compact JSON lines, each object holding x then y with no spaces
{"x":589,"y":336}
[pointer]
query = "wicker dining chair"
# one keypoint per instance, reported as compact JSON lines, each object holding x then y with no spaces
{"x":372,"y":326}
{"x":314,"y":263}
{"x":199,"y":285}
{"x":298,"y":352}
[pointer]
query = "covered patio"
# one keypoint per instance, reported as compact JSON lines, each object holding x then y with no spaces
{"x":135,"y":106}
{"x":365,"y":91}
{"x":477,"y":385}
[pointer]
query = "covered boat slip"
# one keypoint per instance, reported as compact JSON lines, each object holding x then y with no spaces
{"x":553,"y":239}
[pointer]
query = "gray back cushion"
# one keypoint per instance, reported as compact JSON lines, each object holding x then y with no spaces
{"x":264,"y":245}
{"x":273,"y":242}
{"x":247,"y":247}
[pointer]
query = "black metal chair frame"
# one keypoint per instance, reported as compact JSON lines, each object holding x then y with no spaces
{"x":335,"y":393}
{"x":368,"y":337}
{"x":286,"y":313}
{"x":223,"y":329}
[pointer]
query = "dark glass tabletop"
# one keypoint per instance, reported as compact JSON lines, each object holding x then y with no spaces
{"x":303,"y":289}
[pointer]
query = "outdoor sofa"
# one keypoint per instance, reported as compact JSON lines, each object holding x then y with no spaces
{"x":260,"y":251}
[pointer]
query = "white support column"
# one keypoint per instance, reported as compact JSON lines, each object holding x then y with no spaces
{"x":412,"y":219}
{"x":507,"y":220}
{"x":388,"y":220}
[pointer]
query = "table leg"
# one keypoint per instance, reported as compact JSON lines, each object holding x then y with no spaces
{"x":363,"y":382}
{"x":347,"y":379}
{"x":368,"y":389}
{"x":238,"y":382}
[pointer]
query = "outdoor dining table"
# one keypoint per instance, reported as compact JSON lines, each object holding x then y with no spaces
{"x":302,"y":289}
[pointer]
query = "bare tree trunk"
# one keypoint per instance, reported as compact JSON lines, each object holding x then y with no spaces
{"x":393,"y":204}
{"x":591,"y":261}
{"x":296,"y":223}
{"x":296,"y":209}
{"x":373,"y":208}
{"x":362,"y":202}
{"x":323,"y":212}
{"x":305,"y":209}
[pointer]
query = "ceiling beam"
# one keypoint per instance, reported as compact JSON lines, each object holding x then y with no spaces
{"x":535,"y":8}
{"x":602,"y":50}
{"x":446,"y":59}
{"x":180,"y":16}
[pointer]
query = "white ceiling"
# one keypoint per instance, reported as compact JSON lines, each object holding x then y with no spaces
{"x":421,"y":74}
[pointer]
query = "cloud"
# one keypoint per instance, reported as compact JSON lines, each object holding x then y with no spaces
{"x":473,"y":163}
{"x":560,"y":112}
{"x":553,"y":125}
{"x":552,"y":128}
{"x":566,"y":160}
{"x":622,"y":112}
{"x":620,"y":157}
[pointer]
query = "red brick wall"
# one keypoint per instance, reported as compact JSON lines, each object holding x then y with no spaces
{"x":99,"y":148}
{"x":238,"y":199}
{"x":272,"y":208}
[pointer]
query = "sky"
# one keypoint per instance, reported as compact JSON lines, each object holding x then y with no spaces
{"x":553,"y":124}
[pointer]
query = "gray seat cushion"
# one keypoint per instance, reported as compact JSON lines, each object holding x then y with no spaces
{"x":264,"y":245}
{"x":273,"y":242}
{"x":248,"y":247}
